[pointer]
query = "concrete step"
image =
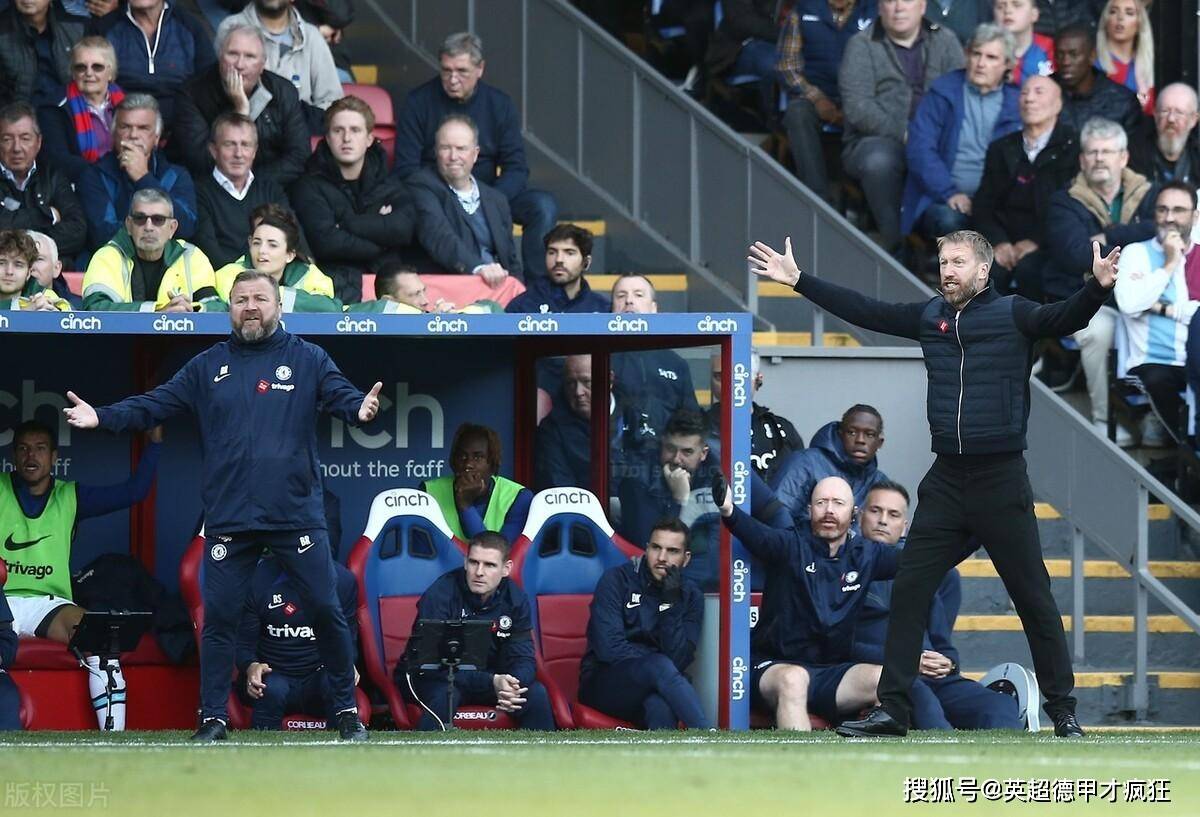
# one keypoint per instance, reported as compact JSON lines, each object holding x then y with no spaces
{"x":1108,"y":587}
{"x":1108,"y":640}
{"x":1165,"y":540}
{"x":1104,"y":696}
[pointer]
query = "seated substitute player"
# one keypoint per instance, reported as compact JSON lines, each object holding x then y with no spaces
{"x":645,"y":623}
{"x":800,"y":651}
{"x":942,"y":697}
{"x":476,"y":498}
{"x":482,"y":591}
{"x":38,"y":517}
{"x":277,"y":658}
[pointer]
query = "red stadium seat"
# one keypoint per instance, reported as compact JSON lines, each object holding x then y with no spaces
{"x":27,"y":711}
{"x":566,"y":546}
{"x":404,"y":548}
{"x":74,"y":281}
{"x":191,"y":578}
{"x":385,"y":118}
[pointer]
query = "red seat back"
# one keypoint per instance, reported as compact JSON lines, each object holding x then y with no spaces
{"x":563,"y":638}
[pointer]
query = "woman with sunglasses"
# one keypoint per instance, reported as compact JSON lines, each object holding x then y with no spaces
{"x":78,"y":131}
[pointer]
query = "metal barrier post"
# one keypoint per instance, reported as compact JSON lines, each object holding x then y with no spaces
{"x":1141,"y":692}
{"x":1077,"y":608}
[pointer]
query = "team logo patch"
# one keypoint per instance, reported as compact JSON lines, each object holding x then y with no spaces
{"x":943,"y":325}
{"x":283,"y":373}
{"x":851,"y":577}
{"x":218,"y":552}
{"x":289,"y":609}
{"x":263,"y":386}
{"x":505,"y":622}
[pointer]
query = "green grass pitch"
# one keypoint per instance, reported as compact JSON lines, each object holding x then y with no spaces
{"x":759,"y":774}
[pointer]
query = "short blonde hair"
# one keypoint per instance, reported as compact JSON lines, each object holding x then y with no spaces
{"x":978,"y":244}
{"x":98,"y":43}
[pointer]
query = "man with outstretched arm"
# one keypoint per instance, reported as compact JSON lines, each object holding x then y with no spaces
{"x":977,"y":347}
{"x":256,"y":397}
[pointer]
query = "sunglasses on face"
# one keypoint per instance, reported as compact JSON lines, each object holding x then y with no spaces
{"x":157,"y":219}
{"x":96,"y":67}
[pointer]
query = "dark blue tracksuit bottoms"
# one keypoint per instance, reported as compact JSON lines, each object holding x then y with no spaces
{"x":955,"y":702}
{"x":308,"y":694}
{"x":649,"y":691}
{"x":432,"y":686}
{"x":10,"y":704}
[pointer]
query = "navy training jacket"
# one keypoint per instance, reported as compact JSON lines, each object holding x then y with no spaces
{"x":628,"y":620}
{"x":812,"y":600}
{"x":256,"y":405}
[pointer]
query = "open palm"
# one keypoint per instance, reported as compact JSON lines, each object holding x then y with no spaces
{"x":765,"y":262}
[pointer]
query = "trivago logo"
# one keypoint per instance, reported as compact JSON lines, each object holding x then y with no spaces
{"x":710,"y":324}
{"x":366,"y":326}
{"x":165,"y":324}
{"x":737,"y":678}
{"x":740,"y":476}
{"x":75,"y":323}
{"x":619,"y":324}
{"x":441,"y":326}
{"x":740,"y":375}
{"x":532,"y":324}
{"x":741,"y":572}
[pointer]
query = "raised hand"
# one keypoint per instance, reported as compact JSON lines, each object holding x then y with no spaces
{"x":1105,"y":269}
{"x":778,"y":267}
{"x":370,"y":404}
{"x":80,"y":414}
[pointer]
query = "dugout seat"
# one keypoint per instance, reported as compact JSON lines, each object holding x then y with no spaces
{"x":404,"y":548}
{"x":566,"y":546}
{"x":191,"y":580}
{"x":385,"y":118}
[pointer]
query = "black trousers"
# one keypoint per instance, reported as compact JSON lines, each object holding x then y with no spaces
{"x":987,"y":497}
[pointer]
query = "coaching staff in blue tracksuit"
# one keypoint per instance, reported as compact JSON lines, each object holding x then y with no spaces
{"x":279,"y":666}
{"x":645,"y":622}
{"x":978,"y":350}
{"x":256,"y":397}
{"x":481,"y":591}
{"x":817,"y":578}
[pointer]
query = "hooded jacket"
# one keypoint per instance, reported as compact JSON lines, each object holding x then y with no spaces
{"x":303,"y":287}
{"x":825,"y":457}
{"x":107,"y":282}
{"x":106,"y":192}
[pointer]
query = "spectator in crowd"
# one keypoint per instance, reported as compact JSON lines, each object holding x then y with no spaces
{"x":564,"y":287}
{"x":78,"y":130}
{"x":817,"y":576}
{"x":643,"y":630}
{"x":1157,"y":305}
{"x":886,"y":70}
{"x":772,"y":438}
{"x":10,"y":696}
{"x":948,"y":138}
{"x":743,"y":44}
{"x":35,"y":40}
{"x":226,"y":196}
{"x":34,"y":197}
{"x":1055,"y":15}
{"x":19,"y":288}
{"x":107,"y":186}
{"x":564,"y":437}
{"x":1125,"y":48}
{"x":159,"y":47}
{"x":145,"y":268}
{"x":481,"y":591}
{"x":1034,"y":52}
{"x":464,"y":224}
{"x":1020,"y":173}
{"x":296,"y":51}
{"x":277,"y":659}
{"x":400,"y":290}
{"x":942,"y":697}
{"x":275,"y":249}
{"x":1106,"y":203}
{"x":845,"y":448}
{"x":1169,"y":153}
{"x":238,"y":83}
{"x":40,"y":516}
{"x":47,"y":270}
{"x":356,"y":217}
{"x":810,"y":49}
{"x":475,"y":498}
{"x":1087,"y":93}
{"x":500,"y":155}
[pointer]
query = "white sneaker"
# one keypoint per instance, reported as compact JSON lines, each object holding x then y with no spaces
{"x":1124,"y":438}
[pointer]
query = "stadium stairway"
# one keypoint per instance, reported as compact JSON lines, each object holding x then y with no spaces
{"x":988,"y":632}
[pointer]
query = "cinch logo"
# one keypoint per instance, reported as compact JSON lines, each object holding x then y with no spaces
{"x":740,"y":474}
{"x":406,"y":501}
{"x":619,"y":324}
{"x":362,"y":327}
{"x":737,"y":680}
{"x":710,"y":324}
{"x":89,"y":324}
{"x":288,"y":631}
{"x":3,"y":322}
{"x":36,"y":571}
{"x":740,"y":375}
{"x":532,"y":324}
{"x":568,"y":498}
{"x":442,"y":326}
{"x":165,"y":324}
{"x":740,"y":571}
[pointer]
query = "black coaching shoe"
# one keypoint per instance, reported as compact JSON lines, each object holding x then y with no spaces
{"x":877,"y":724}
{"x":1065,"y":726}
{"x":211,"y":729}
{"x":350,"y":727}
